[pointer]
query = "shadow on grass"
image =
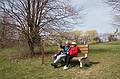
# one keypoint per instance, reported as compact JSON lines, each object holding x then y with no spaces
{"x":86,"y":65}
{"x":76,"y":63}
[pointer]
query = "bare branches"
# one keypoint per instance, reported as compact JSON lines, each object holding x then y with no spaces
{"x":115,"y":4}
{"x":38,"y":17}
{"x":116,"y":9}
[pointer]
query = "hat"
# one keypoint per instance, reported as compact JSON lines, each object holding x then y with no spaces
{"x":74,"y":43}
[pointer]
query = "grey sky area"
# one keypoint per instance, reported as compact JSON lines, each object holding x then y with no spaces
{"x":95,"y":15}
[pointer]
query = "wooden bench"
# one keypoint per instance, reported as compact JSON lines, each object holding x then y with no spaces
{"x":83,"y":59}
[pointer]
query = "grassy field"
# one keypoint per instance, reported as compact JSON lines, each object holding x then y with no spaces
{"x":107,"y":54}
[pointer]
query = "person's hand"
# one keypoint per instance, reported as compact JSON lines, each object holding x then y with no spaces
{"x":55,"y":55}
{"x":81,"y":57}
{"x":67,"y":52}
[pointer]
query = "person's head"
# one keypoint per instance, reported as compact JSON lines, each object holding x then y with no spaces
{"x":67,"y":43}
{"x":73,"y":44}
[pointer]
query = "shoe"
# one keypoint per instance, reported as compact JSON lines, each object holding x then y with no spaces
{"x":65,"y":67}
{"x":53,"y":64}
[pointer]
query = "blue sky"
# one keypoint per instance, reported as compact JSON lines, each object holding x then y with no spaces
{"x":95,"y":15}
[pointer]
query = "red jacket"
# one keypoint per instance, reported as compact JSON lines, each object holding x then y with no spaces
{"x":74,"y":51}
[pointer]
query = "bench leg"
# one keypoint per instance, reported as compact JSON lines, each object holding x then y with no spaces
{"x":81,"y":64}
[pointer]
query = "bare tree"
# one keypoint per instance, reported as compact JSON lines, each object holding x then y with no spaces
{"x":116,"y":9}
{"x":35,"y":19}
{"x":7,"y":34}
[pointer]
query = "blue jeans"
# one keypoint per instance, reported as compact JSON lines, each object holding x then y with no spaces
{"x":59,"y":57}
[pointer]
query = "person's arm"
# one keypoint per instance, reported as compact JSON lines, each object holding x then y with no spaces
{"x":61,"y":46}
{"x":59,"y":53}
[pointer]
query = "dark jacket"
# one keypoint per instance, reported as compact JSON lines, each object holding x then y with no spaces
{"x":65,"y":49}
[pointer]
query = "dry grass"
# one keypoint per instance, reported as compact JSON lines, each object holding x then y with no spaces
{"x":108,"y":56}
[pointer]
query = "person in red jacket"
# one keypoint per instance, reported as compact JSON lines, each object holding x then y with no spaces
{"x":73,"y":52}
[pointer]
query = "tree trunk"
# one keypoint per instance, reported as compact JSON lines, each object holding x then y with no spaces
{"x":42,"y":57}
{"x":41,"y":51}
{"x":31,"y":47}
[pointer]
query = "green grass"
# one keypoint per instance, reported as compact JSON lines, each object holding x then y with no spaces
{"x":50,"y":49}
{"x":107,"y":54}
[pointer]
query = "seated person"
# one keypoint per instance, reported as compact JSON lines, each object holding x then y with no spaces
{"x":61,"y":54}
{"x":73,"y":52}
